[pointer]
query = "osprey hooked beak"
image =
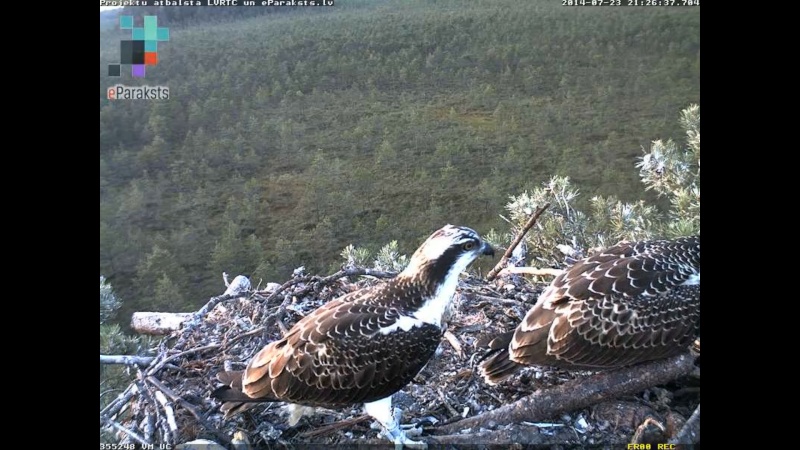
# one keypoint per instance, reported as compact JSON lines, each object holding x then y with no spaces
{"x":487,"y":250}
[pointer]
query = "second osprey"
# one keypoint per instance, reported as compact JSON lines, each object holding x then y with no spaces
{"x":630,"y":303}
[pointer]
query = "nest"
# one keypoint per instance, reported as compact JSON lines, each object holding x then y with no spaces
{"x":169,"y":403}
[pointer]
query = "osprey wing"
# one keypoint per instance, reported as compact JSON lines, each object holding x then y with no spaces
{"x":351,"y":350}
{"x":631,"y":303}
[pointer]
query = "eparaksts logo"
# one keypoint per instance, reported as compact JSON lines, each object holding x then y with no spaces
{"x":121,"y":92}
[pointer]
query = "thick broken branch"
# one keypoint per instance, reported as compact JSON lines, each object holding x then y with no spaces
{"x":504,"y":260}
{"x":158,"y":323}
{"x":127,"y":360}
{"x":576,"y":394}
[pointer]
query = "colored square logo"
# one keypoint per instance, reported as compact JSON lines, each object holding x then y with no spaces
{"x":142,"y":48}
{"x":150,"y":27}
{"x":137,"y":70}
{"x":125,"y":22}
{"x":150,"y":58}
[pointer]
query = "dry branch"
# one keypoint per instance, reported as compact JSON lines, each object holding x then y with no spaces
{"x":327,"y":429}
{"x":135,"y":436}
{"x":173,"y":425}
{"x":156,"y":367}
{"x":531,"y":271}
{"x":127,"y":360}
{"x":476,"y":298}
{"x":116,"y":405}
{"x":504,"y":260}
{"x":158,"y":323}
{"x":187,"y":406}
{"x":545,"y":404}
{"x":453,"y":340}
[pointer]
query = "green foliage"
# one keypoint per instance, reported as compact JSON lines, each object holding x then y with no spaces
{"x":565,"y":230}
{"x":109,"y":304}
{"x":113,"y":341}
{"x":388,"y":257}
{"x":291,"y":134}
{"x":161,"y":278}
{"x":675,"y":173}
{"x":355,"y":257}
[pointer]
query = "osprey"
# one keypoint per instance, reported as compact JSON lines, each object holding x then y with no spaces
{"x":366,"y":345}
{"x":631,"y":303}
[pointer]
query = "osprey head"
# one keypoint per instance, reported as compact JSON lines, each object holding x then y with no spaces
{"x":446,"y":253}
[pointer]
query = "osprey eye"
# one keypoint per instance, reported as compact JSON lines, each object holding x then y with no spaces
{"x":468,"y":245}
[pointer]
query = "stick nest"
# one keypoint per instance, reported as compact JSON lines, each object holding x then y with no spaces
{"x":169,"y":403}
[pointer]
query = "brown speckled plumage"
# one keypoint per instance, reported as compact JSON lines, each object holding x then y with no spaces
{"x":363,"y":346}
{"x":631,"y":303}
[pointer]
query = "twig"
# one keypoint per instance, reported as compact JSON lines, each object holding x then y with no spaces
{"x":496,"y":300}
{"x":531,"y":271}
{"x":350,"y":272}
{"x":283,"y":287}
{"x":521,"y":235}
{"x":690,"y":433}
{"x":449,"y":407}
{"x":244,"y":335}
{"x":160,"y":365}
{"x":109,"y":391}
{"x":453,"y":340}
{"x":127,"y":431}
{"x":147,"y":394}
{"x":581,"y":393}
{"x":327,"y":429}
{"x":283,"y":328}
{"x":173,"y":425}
{"x":116,"y":405}
{"x":127,"y":359}
{"x":197,"y":317}
{"x":149,"y":426}
{"x":187,"y":406}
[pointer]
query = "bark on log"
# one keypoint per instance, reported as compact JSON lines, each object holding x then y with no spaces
{"x":143,"y":361}
{"x":158,"y":323}
{"x":548,"y":403}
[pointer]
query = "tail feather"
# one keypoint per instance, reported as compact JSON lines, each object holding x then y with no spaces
{"x":234,"y":400}
{"x":496,"y":366}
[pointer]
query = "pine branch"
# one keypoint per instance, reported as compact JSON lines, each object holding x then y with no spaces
{"x":520,"y":236}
